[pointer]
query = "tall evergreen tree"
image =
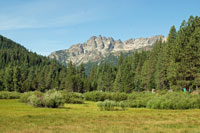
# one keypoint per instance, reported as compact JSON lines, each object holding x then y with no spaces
{"x":17,"y":80}
{"x":186,"y":57}
{"x":8,"y":79}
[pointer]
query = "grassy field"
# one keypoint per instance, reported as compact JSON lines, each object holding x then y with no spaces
{"x":18,"y":117}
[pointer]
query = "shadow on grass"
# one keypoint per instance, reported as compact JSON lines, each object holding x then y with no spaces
{"x":113,"y":109}
{"x":64,"y":108}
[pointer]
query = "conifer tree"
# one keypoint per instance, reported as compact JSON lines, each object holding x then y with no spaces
{"x":17,"y":79}
{"x":118,"y":84}
{"x":186,"y":57}
{"x":8,"y":80}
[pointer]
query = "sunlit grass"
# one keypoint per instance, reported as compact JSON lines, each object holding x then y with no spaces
{"x":19,"y":117}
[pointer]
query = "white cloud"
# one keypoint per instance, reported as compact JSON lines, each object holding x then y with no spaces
{"x":42,"y":14}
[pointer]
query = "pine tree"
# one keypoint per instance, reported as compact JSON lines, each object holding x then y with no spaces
{"x":8,"y":80}
{"x":186,"y":57}
{"x":167,"y":60}
{"x":1,"y":81}
{"x":62,"y":79}
{"x":118,"y":84}
{"x":17,"y":80}
{"x":40,"y":78}
{"x":92,"y":84}
{"x":171,"y":36}
{"x":106,"y":78}
{"x":71,"y":83}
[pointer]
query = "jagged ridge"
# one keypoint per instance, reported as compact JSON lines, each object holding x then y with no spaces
{"x":99,"y":47}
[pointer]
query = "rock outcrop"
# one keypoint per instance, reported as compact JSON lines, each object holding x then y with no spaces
{"x":99,"y":47}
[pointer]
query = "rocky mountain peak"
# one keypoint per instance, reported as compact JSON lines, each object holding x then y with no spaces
{"x":99,"y":47}
{"x":100,"y":37}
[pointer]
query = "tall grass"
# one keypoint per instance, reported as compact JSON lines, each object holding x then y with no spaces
{"x":108,"y":105}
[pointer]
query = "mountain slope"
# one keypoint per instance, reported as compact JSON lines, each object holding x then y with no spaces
{"x":98,"y":48}
{"x":22,"y":70}
{"x":12,"y":53}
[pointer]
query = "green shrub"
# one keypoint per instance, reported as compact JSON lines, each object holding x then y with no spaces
{"x":162,"y":92}
{"x":195,"y":102}
{"x":140,"y":95}
{"x":53,"y":99}
{"x":73,"y":98}
{"x":122,"y":104}
{"x":50,"y":99}
{"x":139,"y":100}
{"x":36,"y":100}
{"x":118,"y":96}
{"x":137,"y":103}
{"x":175,"y":100}
{"x":108,"y":105}
{"x":77,"y":95}
{"x":164,"y":100}
{"x":9,"y":95}
{"x":96,"y":96}
{"x":25,"y":97}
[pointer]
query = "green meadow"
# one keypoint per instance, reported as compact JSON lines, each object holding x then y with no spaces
{"x":19,"y":117}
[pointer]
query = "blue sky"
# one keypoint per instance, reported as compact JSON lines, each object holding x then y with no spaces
{"x":44,"y":26}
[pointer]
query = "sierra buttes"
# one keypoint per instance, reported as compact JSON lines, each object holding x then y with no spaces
{"x":99,"y":47}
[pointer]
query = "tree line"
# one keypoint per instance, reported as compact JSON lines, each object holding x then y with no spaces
{"x":172,"y":64}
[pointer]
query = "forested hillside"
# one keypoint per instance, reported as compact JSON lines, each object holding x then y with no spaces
{"x":21,"y":70}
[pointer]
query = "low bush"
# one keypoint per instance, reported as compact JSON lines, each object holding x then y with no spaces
{"x":122,"y":104}
{"x":9,"y":95}
{"x":139,"y":100}
{"x":140,"y":95}
{"x":25,"y":96}
{"x":137,"y":103}
{"x":163,"y":92}
{"x":77,"y":95}
{"x":96,"y":96}
{"x":50,"y":99}
{"x":175,"y":100}
{"x":119,"y":96}
{"x":53,"y":99}
{"x":73,"y":98}
{"x":36,"y":100}
{"x":108,"y":105}
{"x":195,"y":102}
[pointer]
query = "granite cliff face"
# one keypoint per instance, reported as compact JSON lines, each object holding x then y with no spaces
{"x":100,"y":47}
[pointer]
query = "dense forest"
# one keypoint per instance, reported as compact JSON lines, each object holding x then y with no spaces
{"x":21,"y":70}
{"x":174,"y":64}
